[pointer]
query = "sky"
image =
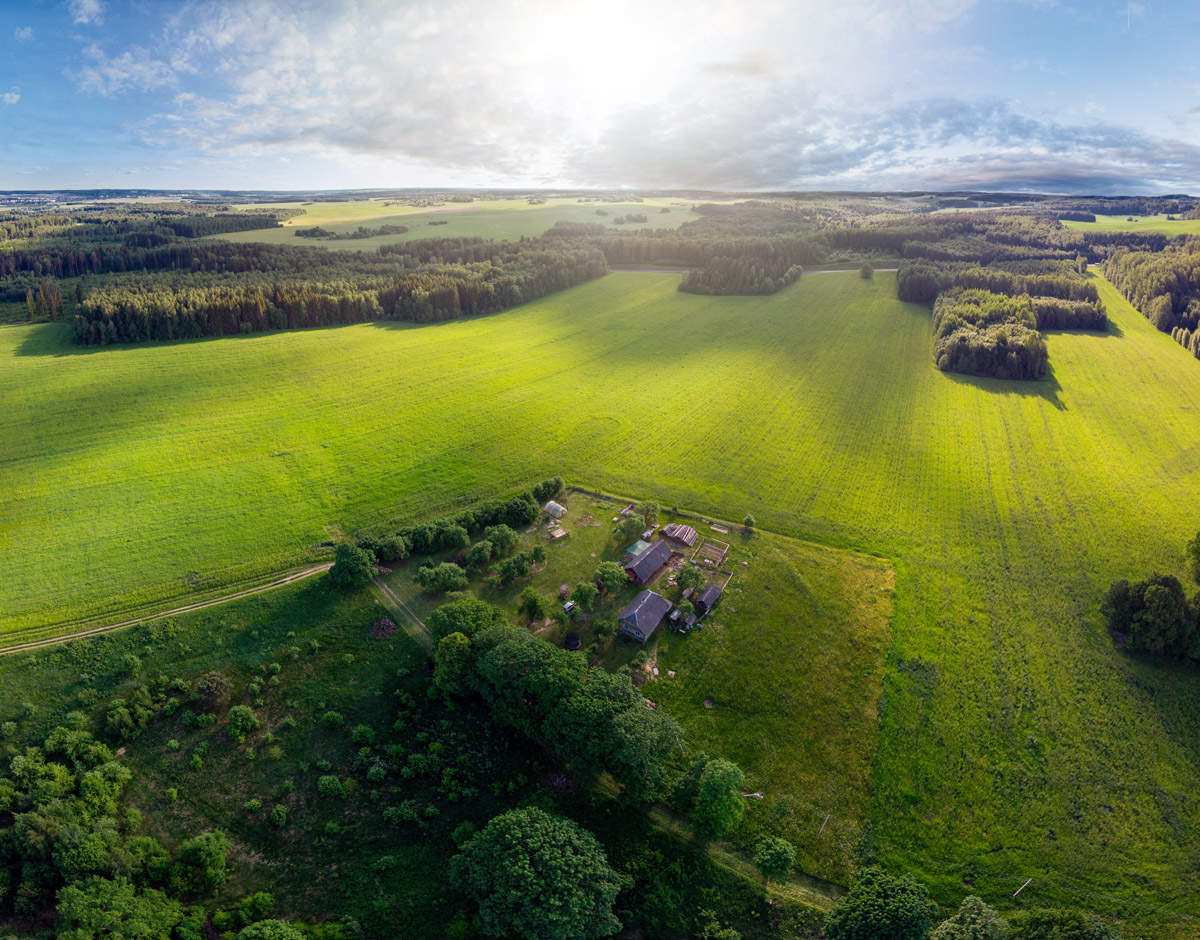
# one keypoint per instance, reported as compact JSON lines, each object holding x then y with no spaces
{"x":1035,"y":95}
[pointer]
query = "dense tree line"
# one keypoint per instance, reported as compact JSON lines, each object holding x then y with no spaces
{"x":156,"y":310}
{"x":1164,"y":286}
{"x":588,"y":717}
{"x":1053,"y":313}
{"x":976,"y":332}
{"x":744,"y":275}
{"x":446,"y":534}
{"x":362,"y":231}
{"x":921,"y":282}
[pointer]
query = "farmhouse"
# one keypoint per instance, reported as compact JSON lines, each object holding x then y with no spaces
{"x":643,"y":566}
{"x":683,"y":534}
{"x":555,"y":509}
{"x":643,"y":615}
{"x":708,"y":598}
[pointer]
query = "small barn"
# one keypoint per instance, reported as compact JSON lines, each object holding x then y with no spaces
{"x":555,"y":510}
{"x":644,"y":565}
{"x":708,"y":598}
{"x":683,"y":534}
{"x":643,"y":615}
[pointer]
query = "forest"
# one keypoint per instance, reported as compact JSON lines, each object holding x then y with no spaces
{"x":1164,"y":286}
{"x":977,"y":332}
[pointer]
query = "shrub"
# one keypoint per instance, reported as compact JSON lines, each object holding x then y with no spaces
{"x":333,"y":719}
{"x":363,"y":734}
{"x":279,"y":815}
{"x":331,"y":786}
{"x":242,"y":721}
{"x":882,"y":907}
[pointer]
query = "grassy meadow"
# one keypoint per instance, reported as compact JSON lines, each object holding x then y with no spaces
{"x":1014,"y":740}
{"x":1145,"y":223}
{"x":501,"y":219}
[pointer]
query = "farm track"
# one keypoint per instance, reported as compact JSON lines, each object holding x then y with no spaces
{"x":413,"y":625}
{"x":806,"y":889}
{"x":282,"y":581}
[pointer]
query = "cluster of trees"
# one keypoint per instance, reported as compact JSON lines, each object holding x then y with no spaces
{"x":976,"y":332}
{"x":446,"y":533}
{"x":362,"y":231}
{"x":921,"y":282}
{"x":1154,"y":615}
{"x":592,"y":719}
{"x":66,"y":845}
{"x":154,"y":310}
{"x":203,"y":226}
{"x":1053,"y":313}
{"x":45,"y":303}
{"x":881,"y":906}
{"x":744,"y":275}
{"x":1164,"y":286}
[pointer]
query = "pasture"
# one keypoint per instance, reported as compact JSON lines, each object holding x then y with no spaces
{"x":1014,"y":740}
{"x":501,"y":219}
{"x":1147,"y":223}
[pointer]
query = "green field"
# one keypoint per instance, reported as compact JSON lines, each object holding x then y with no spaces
{"x":1147,"y":223}
{"x":500,"y":219}
{"x":1014,"y":741}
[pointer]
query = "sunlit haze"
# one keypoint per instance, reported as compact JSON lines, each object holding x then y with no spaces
{"x":861,"y":94}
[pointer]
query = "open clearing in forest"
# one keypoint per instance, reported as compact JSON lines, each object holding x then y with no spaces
{"x":509,"y":219}
{"x":1139,"y":223}
{"x":1014,"y":740}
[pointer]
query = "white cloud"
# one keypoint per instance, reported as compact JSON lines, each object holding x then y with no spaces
{"x":11,"y":97}
{"x":23,"y":33}
{"x":86,"y":11}
{"x":134,"y":70}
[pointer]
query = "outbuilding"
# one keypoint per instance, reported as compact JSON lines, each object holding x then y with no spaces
{"x":643,"y":615}
{"x":683,"y":534}
{"x":643,"y":566}
{"x":555,"y":510}
{"x":708,"y":598}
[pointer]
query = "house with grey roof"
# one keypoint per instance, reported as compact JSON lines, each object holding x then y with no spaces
{"x":643,"y":615}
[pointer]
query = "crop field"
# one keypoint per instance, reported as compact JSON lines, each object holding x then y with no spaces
{"x":1014,"y":740}
{"x":500,"y":219}
{"x":1147,"y":223}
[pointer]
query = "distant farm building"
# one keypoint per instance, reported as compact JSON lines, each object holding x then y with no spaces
{"x":643,"y":615}
{"x":683,"y":534}
{"x":642,"y":567}
{"x":708,"y":598}
{"x":555,"y":509}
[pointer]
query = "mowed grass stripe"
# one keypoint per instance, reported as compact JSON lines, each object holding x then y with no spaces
{"x":1014,"y":738}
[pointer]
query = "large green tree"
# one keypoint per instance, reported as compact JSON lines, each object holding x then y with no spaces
{"x":97,"y":908}
{"x":202,"y":861}
{"x":352,"y":566}
{"x":880,"y":906}
{"x":719,"y":804}
{"x":468,"y":617}
{"x":974,"y":920}
{"x":442,"y":579}
{"x":538,"y":876}
{"x":610,"y":576}
{"x":774,"y":857}
{"x":452,"y":664}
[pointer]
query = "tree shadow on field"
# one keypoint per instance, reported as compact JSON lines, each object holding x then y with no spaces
{"x":54,"y":339}
{"x":1046,"y":387}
